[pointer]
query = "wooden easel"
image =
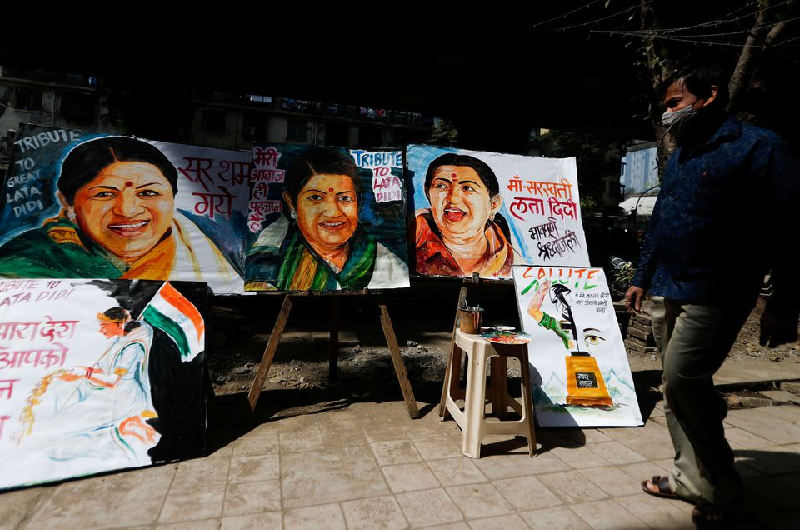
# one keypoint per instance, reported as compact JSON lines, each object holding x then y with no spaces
{"x":388,"y":332}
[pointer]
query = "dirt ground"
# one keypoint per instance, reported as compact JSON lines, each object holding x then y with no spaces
{"x":365,"y":371}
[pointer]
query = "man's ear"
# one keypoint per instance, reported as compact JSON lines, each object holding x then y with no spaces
{"x":714,"y":89}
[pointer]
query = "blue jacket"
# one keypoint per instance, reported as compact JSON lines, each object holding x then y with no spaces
{"x":726,"y":213}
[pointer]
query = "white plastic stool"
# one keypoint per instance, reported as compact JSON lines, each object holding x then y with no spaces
{"x":472,"y":420}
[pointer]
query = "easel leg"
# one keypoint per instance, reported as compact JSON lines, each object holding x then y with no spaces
{"x":333,"y":354}
{"x":397,"y":360}
{"x":269,"y":352}
{"x":462,"y":295}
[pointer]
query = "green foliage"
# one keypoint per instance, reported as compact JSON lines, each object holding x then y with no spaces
{"x":596,"y":159}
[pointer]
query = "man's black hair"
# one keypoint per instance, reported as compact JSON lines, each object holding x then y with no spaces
{"x":699,"y":77}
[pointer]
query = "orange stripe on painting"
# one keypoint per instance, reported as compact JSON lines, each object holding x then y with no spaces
{"x":179,"y":302}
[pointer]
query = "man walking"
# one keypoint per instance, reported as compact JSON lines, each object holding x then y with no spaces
{"x":728,"y":210}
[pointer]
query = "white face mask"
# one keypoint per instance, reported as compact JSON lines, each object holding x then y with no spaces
{"x":679,"y":122}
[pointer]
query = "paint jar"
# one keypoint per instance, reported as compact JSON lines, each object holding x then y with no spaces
{"x":470,"y":319}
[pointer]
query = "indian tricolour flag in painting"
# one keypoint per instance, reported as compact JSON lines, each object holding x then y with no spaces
{"x":171,"y":312}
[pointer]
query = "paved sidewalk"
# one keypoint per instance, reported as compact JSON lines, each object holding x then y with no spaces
{"x":369,"y":466}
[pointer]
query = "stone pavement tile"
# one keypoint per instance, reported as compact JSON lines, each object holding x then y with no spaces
{"x":202,"y":502}
{"x":477,"y":501}
{"x":780,"y":397}
{"x":657,"y":412}
{"x":741,"y":439}
{"x":345,"y":434}
{"x":254,"y":468}
{"x":257,"y":520}
{"x":300,"y":422}
{"x":616,"y":453}
{"x":780,"y":491}
{"x":328,"y":516}
{"x":519,"y":465}
{"x":578,"y":457}
{"x":764,"y":425}
{"x":17,"y":506}
{"x":207,"y":524}
{"x":572,"y":487}
{"x":781,"y":519}
{"x":526,"y":493}
{"x":594,"y":436}
{"x":134,"y":497}
{"x":428,"y":507}
{"x":450,"y":526}
{"x":265,"y":444}
{"x":791,"y":448}
{"x":252,"y":497}
{"x":651,"y":431}
{"x":377,"y":512}
{"x":378,"y":434}
{"x":302,"y":440}
{"x":395,"y":452}
{"x":561,"y":437}
{"x":651,"y":449}
{"x":192,"y":472}
{"x":439,"y":447}
{"x":790,"y":413}
{"x":330,"y":476}
{"x":418,"y":431}
{"x":744,"y":470}
{"x":506,"y":522}
{"x":456,"y":471}
{"x":607,"y":514}
{"x":661,"y":420}
{"x":657,"y":512}
{"x":613,"y":481}
{"x":409,"y":477}
{"x":644,"y":471}
{"x":772,"y":462}
{"x":263,"y":429}
{"x":558,"y":517}
{"x":222,"y":452}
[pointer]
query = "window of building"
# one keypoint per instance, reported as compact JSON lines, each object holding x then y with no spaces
{"x":214,"y":121}
{"x":77,"y":107}
{"x":337,"y":134}
{"x":297,"y":131}
{"x":254,"y":125}
{"x":27,"y":98}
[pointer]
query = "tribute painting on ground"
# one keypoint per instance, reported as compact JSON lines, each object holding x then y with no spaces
{"x":580,"y":374}
{"x":326,"y":219}
{"x":484,"y":212}
{"x":88,"y":205}
{"x":98,"y":375}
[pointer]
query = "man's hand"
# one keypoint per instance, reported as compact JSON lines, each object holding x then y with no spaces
{"x":778,"y":328}
{"x":633,"y":299}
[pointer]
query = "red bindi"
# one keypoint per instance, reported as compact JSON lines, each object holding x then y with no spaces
{"x":129,"y":184}
{"x":330,"y":189}
{"x":454,"y":176}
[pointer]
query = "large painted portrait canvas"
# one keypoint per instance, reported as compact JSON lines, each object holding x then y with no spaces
{"x":87,"y":205}
{"x":480,"y":212}
{"x":98,"y":375}
{"x":326,"y":219}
